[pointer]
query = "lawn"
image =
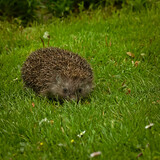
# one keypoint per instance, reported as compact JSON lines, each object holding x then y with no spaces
{"x":124,"y":52}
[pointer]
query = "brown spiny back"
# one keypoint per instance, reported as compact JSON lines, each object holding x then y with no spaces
{"x":42,"y":66}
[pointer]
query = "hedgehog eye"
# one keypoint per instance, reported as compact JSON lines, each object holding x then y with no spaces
{"x":79,"y":90}
{"x":65,"y":90}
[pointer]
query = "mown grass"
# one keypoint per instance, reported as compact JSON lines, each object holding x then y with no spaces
{"x":126,"y":97}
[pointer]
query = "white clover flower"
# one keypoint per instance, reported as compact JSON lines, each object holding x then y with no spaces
{"x":44,"y":120}
{"x":149,"y":126}
{"x":81,"y":134}
{"x":46,"y":35}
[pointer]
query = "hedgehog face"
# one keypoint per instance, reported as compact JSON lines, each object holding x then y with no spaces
{"x":71,"y":89}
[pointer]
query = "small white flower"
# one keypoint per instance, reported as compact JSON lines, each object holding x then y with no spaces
{"x":81,"y":134}
{"x":44,"y":120}
{"x":16,"y":79}
{"x":143,"y":54}
{"x":149,"y":126}
{"x":61,"y":144}
{"x":46,"y":35}
{"x":95,"y":154}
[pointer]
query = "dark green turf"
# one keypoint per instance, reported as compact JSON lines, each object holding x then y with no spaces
{"x":126,"y":97}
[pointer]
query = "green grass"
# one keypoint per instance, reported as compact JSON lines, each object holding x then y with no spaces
{"x":126,"y":97}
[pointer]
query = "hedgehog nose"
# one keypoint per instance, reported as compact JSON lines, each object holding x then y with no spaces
{"x":73,"y":97}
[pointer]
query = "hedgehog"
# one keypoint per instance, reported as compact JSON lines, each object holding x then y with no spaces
{"x":57,"y":73}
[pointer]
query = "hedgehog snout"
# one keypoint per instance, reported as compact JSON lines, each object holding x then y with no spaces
{"x":69,"y":94}
{"x":72,"y":97}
